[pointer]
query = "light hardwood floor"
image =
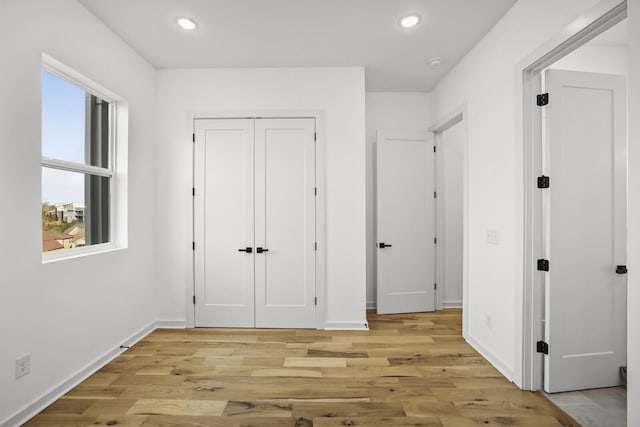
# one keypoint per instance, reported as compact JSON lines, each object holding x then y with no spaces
{"x":409,"y":370}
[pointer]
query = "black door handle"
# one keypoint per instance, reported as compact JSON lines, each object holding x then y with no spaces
{"x":247,"y":250}
{"x":260,"y":250}
{"x":384,"y":245}
{"x":621,"y":269}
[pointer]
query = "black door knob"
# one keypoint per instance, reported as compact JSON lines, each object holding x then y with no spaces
{"x":247,"y":250}
{"x":260,"y":250}
{"x":621,"y":269}
{"x":384,"y":245}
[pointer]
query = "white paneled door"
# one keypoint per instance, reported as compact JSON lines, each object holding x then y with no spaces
{"x":405,"y":231}
{"x":254,"y":223}
{"x":224,"y":223}
{"x":285,"y":223}
{"x":585,"y":211}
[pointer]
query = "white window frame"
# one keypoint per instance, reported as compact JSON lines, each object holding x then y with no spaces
{"x":117,"y":137}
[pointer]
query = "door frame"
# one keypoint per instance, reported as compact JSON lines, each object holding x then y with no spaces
{"x":320,"y":276}
{"x":457,"y":116}
{"x":603,"y":16}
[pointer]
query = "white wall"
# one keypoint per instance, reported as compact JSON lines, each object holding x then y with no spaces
{"x":633,"y":234}
{"x":485,"y":80}
{"x":387,"y":110}
{"x":596,"y":59}
{"x":453,"y":141}
{"x":339,"y":94}
{"x":70,"y":313}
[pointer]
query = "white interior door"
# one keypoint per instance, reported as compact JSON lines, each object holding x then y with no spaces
{"x":405,"y":230}
{"x":224,"y":223}
{"x":285,"y":223}
{"x":585,"y":211}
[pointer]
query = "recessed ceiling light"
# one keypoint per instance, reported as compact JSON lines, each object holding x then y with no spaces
{"x":186,"y":23}
{"x":409,"y":21}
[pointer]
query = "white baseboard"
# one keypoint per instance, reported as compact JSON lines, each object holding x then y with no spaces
{"x":497,"y":363}
{"x":171,"y":324}
{"x":371,"y":305}
{"x":346,"y":326}
{"x":453,"y":304}
{"x":58,"y":391}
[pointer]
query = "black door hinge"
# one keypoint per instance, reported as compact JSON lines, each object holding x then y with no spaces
{"x":315,"y":136}
{"x":434,"y":148}
{"x":193,"y":191}
{"x":315,"y":301}
{"x":542,"y":99}
{"x":194,"y":300}
{"x":542,"y":347}
{"x":194,"y":245}
{"x":315,"y":191}
{"x":193,"y":138}
{"x":435,"y":195}
{"x":435,"y":240}
{"x":543,"y":181}
{"x":316,"y":246}
{"x":435,"y":286}
{"x":543,"y":265}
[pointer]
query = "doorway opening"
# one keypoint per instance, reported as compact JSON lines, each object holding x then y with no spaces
{"x":575,"y":138}
{"x":451,"y":206}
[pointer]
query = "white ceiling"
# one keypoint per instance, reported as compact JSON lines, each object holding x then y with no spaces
{"x":300,"y":33}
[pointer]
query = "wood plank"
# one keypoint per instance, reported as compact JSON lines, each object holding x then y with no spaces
{"x":350,"y":409}
{"x":261,"y":409}
{"x":377,"y":422}
{"x":177,"y":407}
{"x":315,"y":362}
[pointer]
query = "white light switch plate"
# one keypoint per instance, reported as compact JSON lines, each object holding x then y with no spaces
{"x":23,"y":366}
{"x":493,"y":237}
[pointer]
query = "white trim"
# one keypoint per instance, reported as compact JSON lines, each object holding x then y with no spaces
{"x":171,"y":324}
{"x":321,"y":253}
{"x":453,"y":304}
{"x":35,"y":407}
{"x":346,"y":326}
{"x":64,"y":165}
{"x":497,"y":363}
{"x":79,"y":252}
{"x":458,"y":115}
{"x":67,"y":73}
{"x":528,"y":370}
{"x":372,"y":305}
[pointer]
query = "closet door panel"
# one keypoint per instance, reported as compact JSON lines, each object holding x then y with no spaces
{"x":224,"y":223}
{"x":285,"y":222}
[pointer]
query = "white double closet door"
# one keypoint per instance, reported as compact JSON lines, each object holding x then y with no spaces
{"x":254,"y":223}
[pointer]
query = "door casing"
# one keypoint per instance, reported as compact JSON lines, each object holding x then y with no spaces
{"x":529,"y":363}
{"x":456,"y":117}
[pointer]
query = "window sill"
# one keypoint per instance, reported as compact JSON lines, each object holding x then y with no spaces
{"x":66,"y":254}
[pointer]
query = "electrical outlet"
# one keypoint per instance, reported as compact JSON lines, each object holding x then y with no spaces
{"x":493,"y":237}
{"x":23,"y":366}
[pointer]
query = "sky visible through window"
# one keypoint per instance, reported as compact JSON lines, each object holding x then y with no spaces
{"x":63,"y":138}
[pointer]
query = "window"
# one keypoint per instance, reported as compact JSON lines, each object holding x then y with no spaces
{"x":78,"y":135}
